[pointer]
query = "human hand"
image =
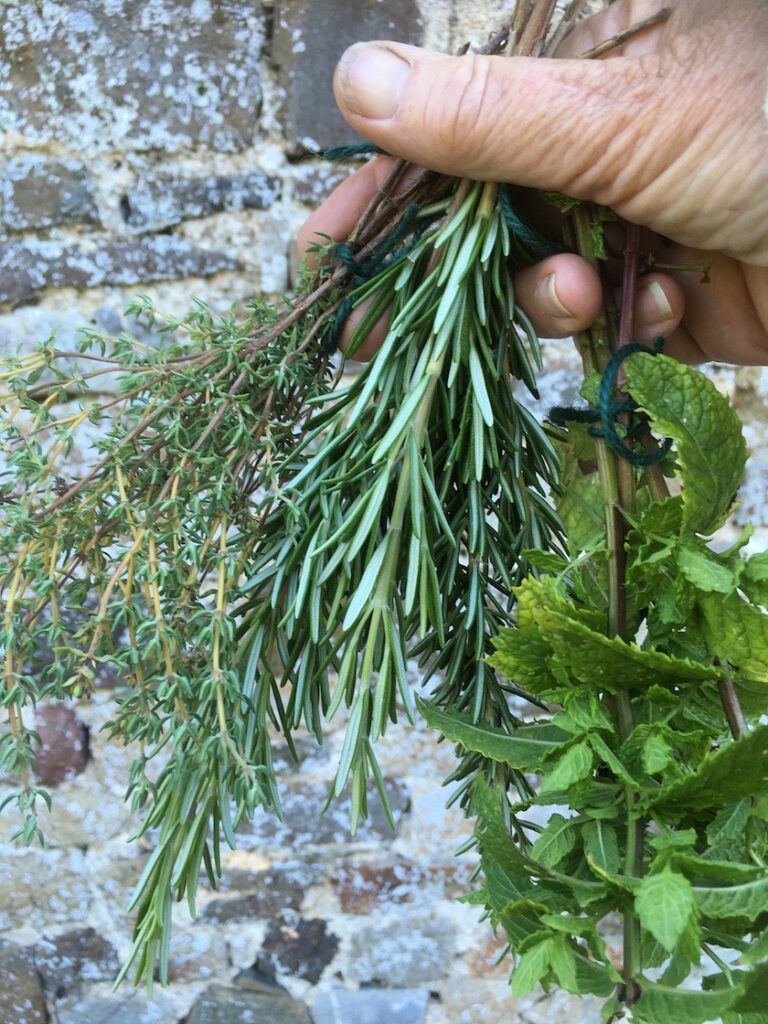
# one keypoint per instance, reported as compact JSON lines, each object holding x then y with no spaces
{"x":671,"y":132}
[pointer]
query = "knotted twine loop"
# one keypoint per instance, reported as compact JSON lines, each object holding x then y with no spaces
{"x":393,"y":249}
{"x":609,"y":408}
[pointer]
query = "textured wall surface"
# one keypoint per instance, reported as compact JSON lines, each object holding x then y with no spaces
{"x":166,"y":146}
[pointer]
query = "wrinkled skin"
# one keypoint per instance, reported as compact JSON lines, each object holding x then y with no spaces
{"x":670,"y":130}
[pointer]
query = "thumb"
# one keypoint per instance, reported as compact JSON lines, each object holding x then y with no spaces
{"x":552,"y":124}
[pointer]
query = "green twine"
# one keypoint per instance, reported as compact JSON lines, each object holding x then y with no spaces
{"x":355,"y":151}
{"x":531,"y":246}
{"x":609,"y":408}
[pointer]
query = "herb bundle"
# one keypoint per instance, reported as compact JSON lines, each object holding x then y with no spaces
{"x":255,"y":546}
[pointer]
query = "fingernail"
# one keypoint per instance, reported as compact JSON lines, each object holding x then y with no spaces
{"x":546,"y":293}
{"x":372,"y":80}
{"x":654,"y":305}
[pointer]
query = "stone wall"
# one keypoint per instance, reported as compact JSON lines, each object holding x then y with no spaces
{"x":167,"y":146}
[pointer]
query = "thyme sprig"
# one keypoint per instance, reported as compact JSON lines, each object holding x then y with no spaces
{"x":253,"y":548}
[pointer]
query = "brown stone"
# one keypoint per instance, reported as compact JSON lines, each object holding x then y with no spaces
{"x":29,"y":267}
{"x":363,"y":888}
{"x":63,"y":752}
{"x":302,"y":948}
{"x":132,"y":75}
{"x":36,"y":192}
{"x":309,"y":38}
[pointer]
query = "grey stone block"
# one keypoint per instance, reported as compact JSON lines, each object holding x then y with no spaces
{"x":38,"y":193}
{"x":42,"y":885}
{"x":67,"y":960}
{"x":116,"y":1010}
{"x":164,"y":201}
{"x":21,"y":989}
{"x":405,"y":952}
{"x":132,"y":74}
{"x":273,"y":891}
{"x":304,"y":826}
{"x":220,"y":1004}
{"x":29,"y":267}
{"x":371,"y":1006}
{"x":309,"y":38}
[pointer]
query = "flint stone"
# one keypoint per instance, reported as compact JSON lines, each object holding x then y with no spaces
{"x":371,"y":1006}
{"x":304,"y":826}
{"x":116,"y":1010}
{"x":303,"y":948}
{"x":309,"y":38}
{"x":22,"y":1000}
{"x":82,"y":955}
{"x":36,"y":192}
{"x":64,"y":749}
{"x":161,"y":202}
{"x":222,"y":1005}
{"x":132,"y":74}
{"x":29,"y":267}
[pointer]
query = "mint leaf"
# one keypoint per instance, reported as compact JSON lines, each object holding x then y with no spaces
{"x":609,"y":662}
{"x":579,"y":501}
{"x":523,"y":749}
{"x":738,"y":633}
{"x":533,"y":967}
{"x":754,"y":577}
{"x":522,"y":656}
{"x":661,"y":1005}
{"x":555,"y":842}
{"x":665,"y":906}
{"x":757,"y":951}
{"x":748,"y":900}
{"x":684,"y":405}
{"x":547,"y":561}
{"x":590,"y":388}
{"x":495,"y":841}
{"x":738,"y":769}
{"x":572,"y":766}
{"x":683,"y":839}
{"x":601,"y":844}
{"x":707,"y":872}
{"x":563,"y":962}
{"x":701,"y":569}
{"x":726,"y":833}
{"x":656,"y":754}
